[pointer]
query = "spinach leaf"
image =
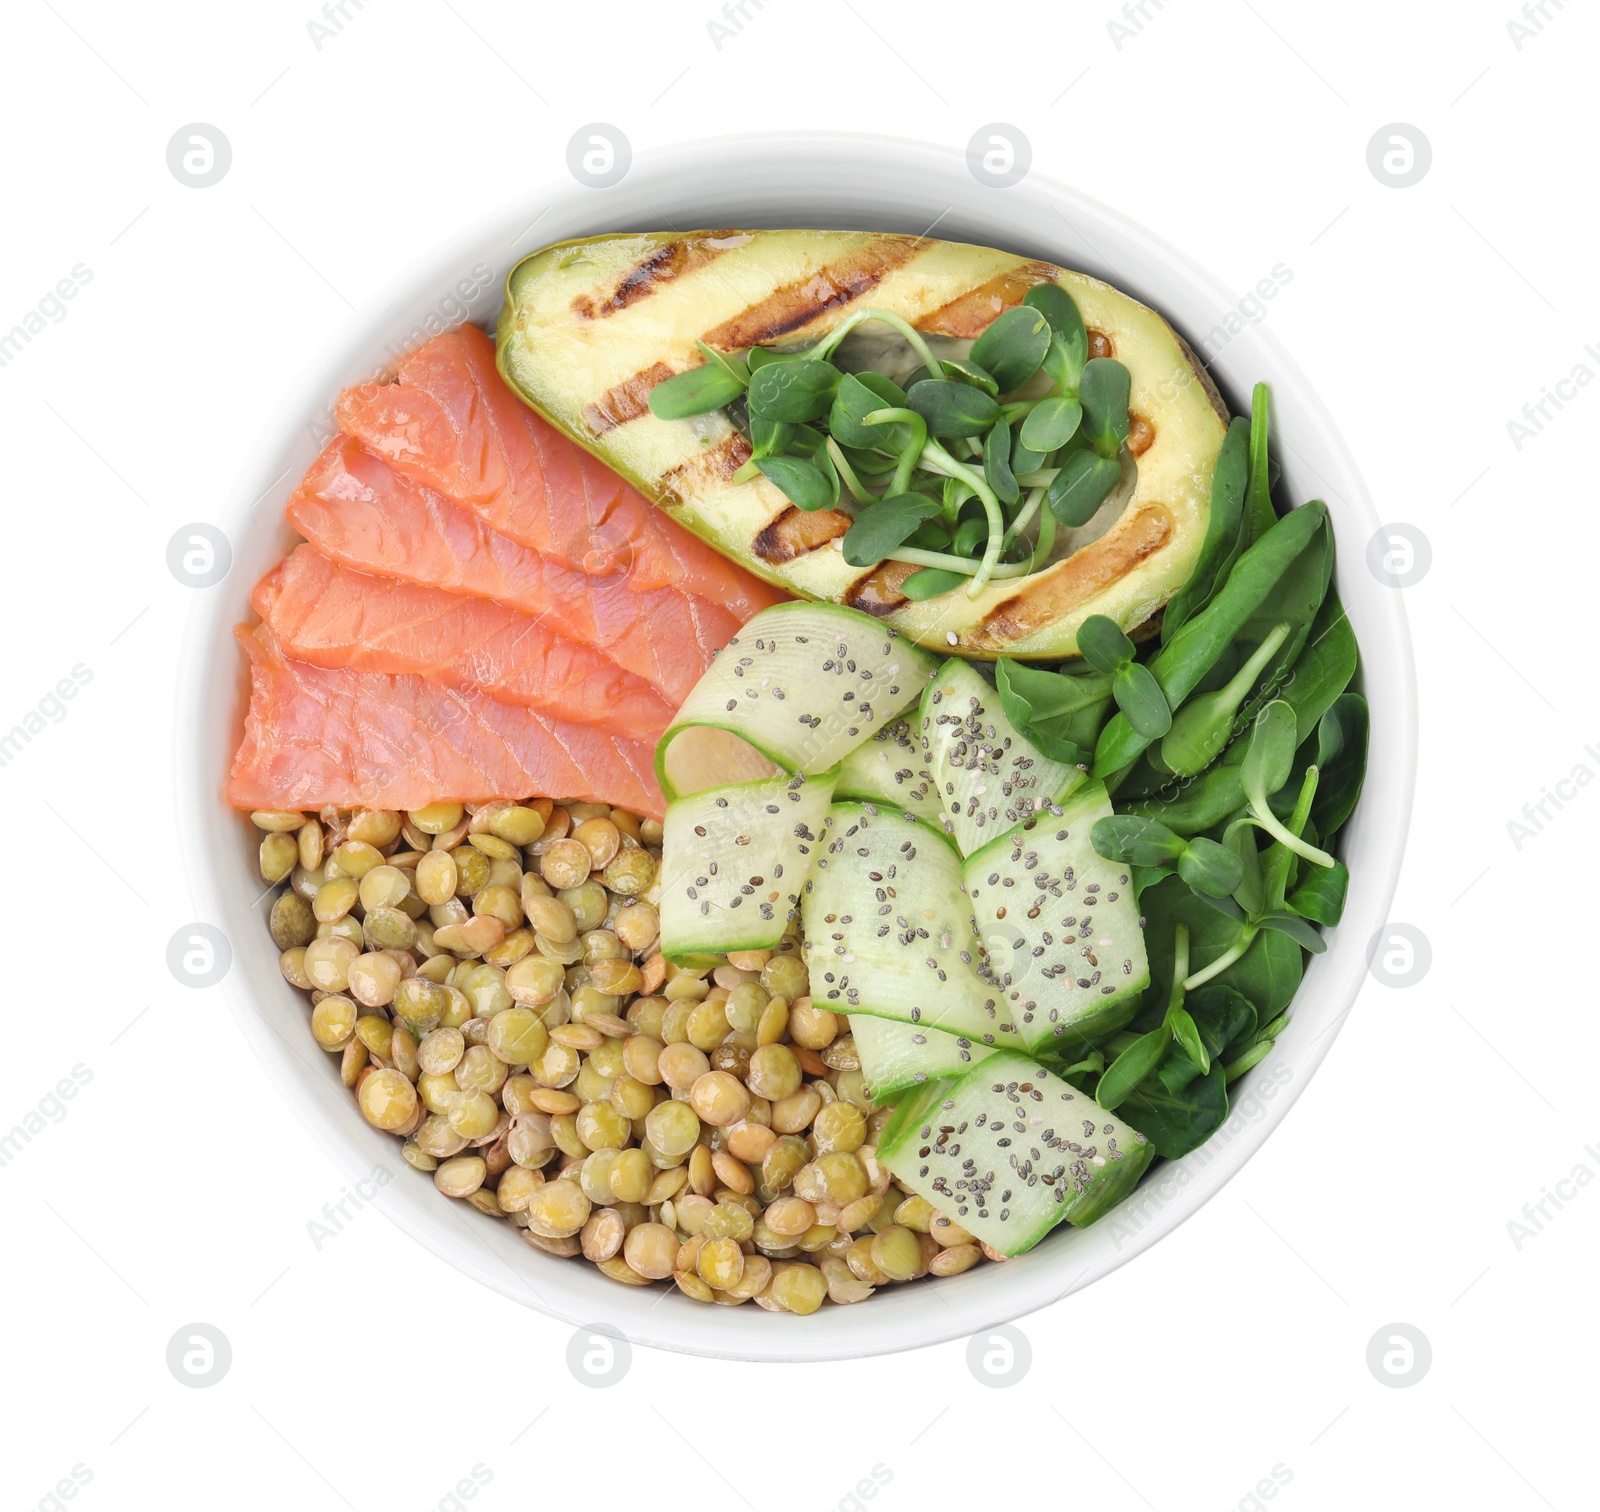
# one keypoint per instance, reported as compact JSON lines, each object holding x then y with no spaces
{"x":1223,"y":1018}
{"x":1178,"y":1122}
{"x":1341,"y":761}
{"x":1222,"y":530}
{"x":1060,"y":714}
{"x":1320,"y":895}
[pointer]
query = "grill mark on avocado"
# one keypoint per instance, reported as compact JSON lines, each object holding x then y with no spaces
{"x":878,"y":593}
{"x":715,"y":465}
{"x":1062,"y":590}
{"x":796,"y":532}
{"x":627,"y":401}
{"x":670,"y":260}
{"x":968,"y":315}
{"x":831,"y":287}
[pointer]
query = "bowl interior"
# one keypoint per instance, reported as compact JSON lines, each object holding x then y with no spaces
{"x":806,"y":181}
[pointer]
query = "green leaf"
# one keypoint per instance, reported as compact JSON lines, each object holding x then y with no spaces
{"x":759,"y":357}
{"x":1240,"y":838}
{"x":769,"y":438}
{"x":1222,"y":530}
{"x":1104,"y":393}
{"x":1268,"y":973}
{"x":1102,"y":644}
{"x":967,"y":536}
{"x":793,"y":391}
{"x":696,"y":391}
{"x":855,"y":399}
{"x":1139,"y":696}
{"x":952,"y":409}
{"x":1024,"y":459}
{"x":1205,"y":724}
{"x":1137,"y":841}
{"x":731,"y":361}
{"x":1210,"y":868}
{"x":930,"y":535}
{"x":1060,"y":714}
{"x":1224,"y":1018}
{"x":930,"y":582}
{"x":1131,"y":1067}
{"x":1051,"y":423}
{"x":803,"y":483}
{"x":973,"y":374}
{"x":1259,"y":514}
{"x":997,"y":462}
{"x":1323,"y":669}
{"x":1270,"y":756}
{"x":1178,"y":1122}
{"x":1181,"y":665}
{"x":1081,"y":487}
{"x":1188,"y":1038}
{"x":885,"y":525}
{"x":1013,"y":346}
{"x":822,"y":460}
{"x":1320,"y":895}
{"x":1341,"y":761}
{"x":1297,"y":929}
{"x":1069,"y":344}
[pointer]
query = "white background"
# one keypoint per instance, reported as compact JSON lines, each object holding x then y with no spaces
{"x":365,"y":1374}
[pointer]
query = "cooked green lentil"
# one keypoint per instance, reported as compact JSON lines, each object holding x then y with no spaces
{"x":490,"y":977}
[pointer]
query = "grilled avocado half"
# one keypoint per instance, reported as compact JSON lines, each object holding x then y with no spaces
{"x":589,"y":327}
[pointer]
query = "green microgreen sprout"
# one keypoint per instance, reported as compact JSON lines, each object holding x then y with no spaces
{"x":1104,"y":646}
{"x":1267,"y":762}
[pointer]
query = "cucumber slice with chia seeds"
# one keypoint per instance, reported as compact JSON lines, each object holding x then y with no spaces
{"x":796,"y":690}
{"x":888,"y":931}
{"x":733,"y":861}
{"x":1009,"y":1150}
{"x":891,"y":769}
{"x":1060,"y":926}
{"x":896,"y":1057}
{"x":988,"y":776}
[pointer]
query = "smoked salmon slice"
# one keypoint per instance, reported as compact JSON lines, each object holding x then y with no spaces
{"x":451,"y":424}
{"x":315,"y":736}
{"x":332,"y":616}
{"x":355,"y":508}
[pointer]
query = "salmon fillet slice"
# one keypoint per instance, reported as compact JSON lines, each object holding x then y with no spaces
{"x":352,"y":506}
{"x":332,"y":616}
{"x":451,"y":423}
{"x":315,"y":736}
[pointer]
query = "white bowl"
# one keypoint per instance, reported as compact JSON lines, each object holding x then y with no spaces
{"x":818,"y":181}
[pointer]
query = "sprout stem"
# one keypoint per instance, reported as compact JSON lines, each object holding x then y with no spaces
{"x":863,"y":494}
{"x":1234,"y":952}
{"x":991,"y":510}
{"x":829,"y":342}
{"x":901,"y":482}
{"x":966,"y":566}
{"x":1024,"y":518}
